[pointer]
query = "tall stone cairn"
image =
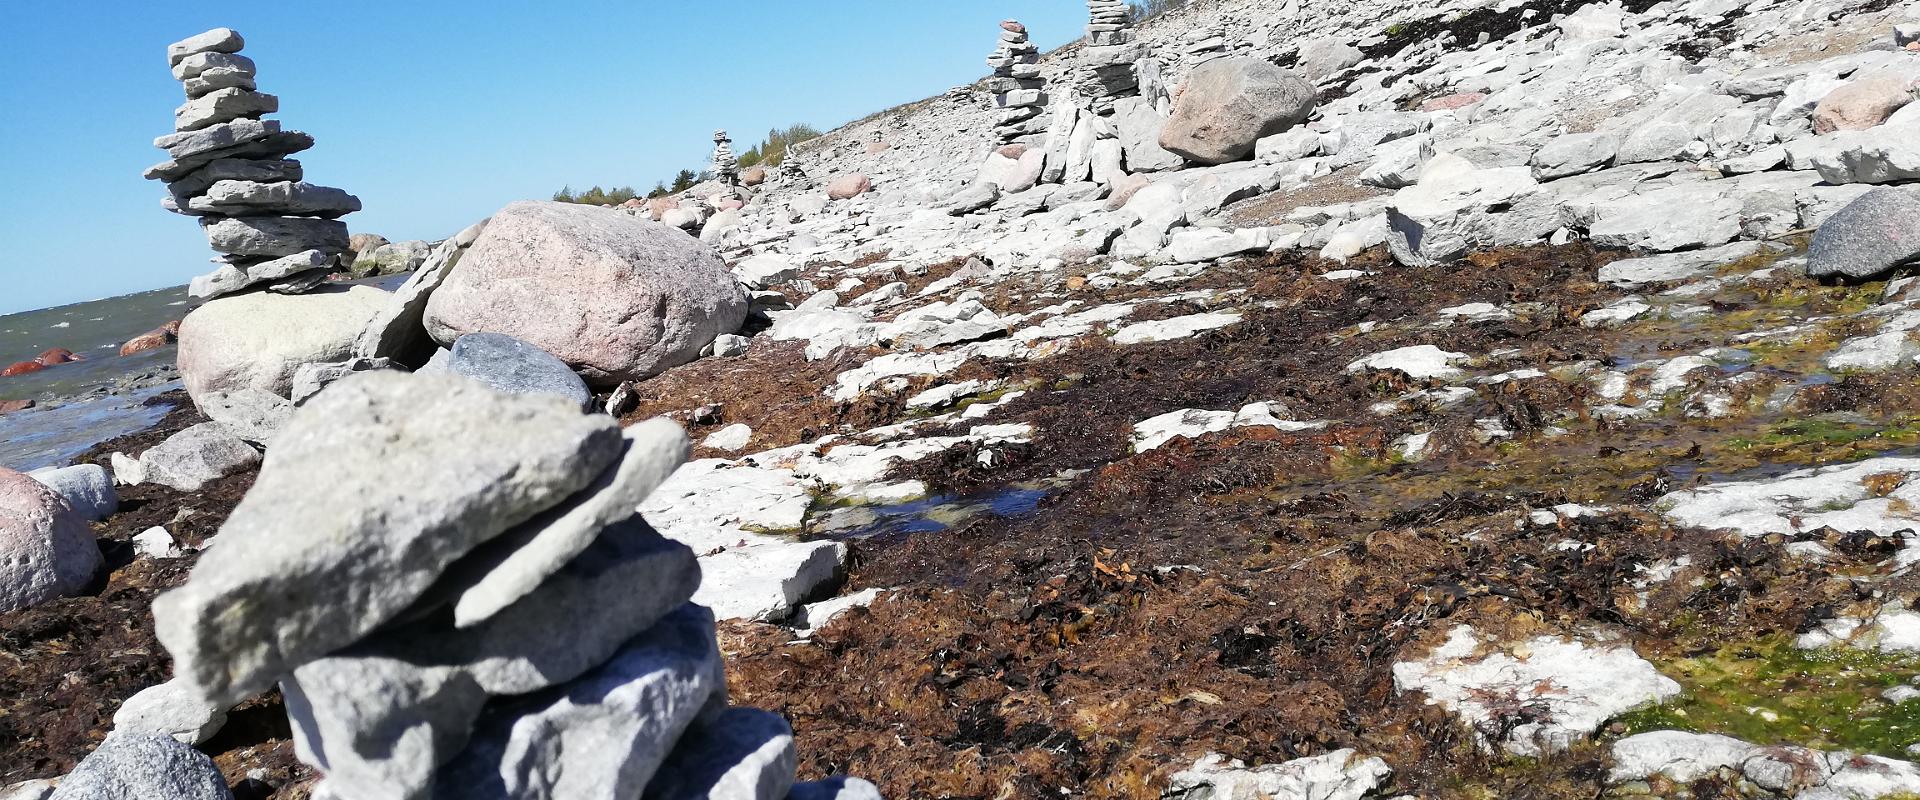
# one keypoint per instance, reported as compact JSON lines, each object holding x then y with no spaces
{"x":229,"y":167}
{"x":1018,"y":90}
{"x":725,"y":167}
{"x":1110,"y":54}
{"x":473,"y":608}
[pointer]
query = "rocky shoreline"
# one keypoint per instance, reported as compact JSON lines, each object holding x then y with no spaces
{"x":1261,"y":401}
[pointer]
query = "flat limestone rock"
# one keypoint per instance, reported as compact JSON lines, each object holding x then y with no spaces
{"x":433,"y":680}
{"x":515,"y":564}
{"x":224,"y":105}
{"x":282,"y":198}
{"x":193,"y":66}
{"x":417,"y":471}
{"x":740,"y":754}
{"x":273,"y":237}
{"x":605,"y":734}
{"x":271,"y":146}
{"x":399,"y":331}
{"x":197,"y":456}
{"x":218,"y":40}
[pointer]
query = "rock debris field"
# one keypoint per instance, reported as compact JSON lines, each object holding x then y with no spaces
{"x":1260,"y":400}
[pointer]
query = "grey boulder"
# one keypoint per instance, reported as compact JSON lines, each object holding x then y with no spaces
{"x":289,"y":198}
{"x":615,"y":297}
{"x":512,"y":366}
{"x":87,"y":488}
{"x":273,"y":237}
{"x":136,"y":766}
{"x":197,"y":456}
{"x":170,"y":709}
{"x":46,"y":551}
{"x":417,"y":471}
{"x":1874,"y":233}
{"x":1228,"y":104}
{"x":432,"y":680}
{"x":604,"y":735}
{"x":739,"y":754}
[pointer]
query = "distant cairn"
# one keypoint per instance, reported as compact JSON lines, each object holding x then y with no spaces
{"x":1018,"y":90}
{"x":229,"y":167}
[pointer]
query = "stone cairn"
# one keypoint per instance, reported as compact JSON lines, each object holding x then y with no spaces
{"x":473,"y":607}
{"x":726,"y":168}
{"x":1018,"y":90}
{"x":229,"y":167}
{"x":1110,"y":54}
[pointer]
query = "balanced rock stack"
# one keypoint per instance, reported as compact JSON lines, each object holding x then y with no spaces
{"x":229,"y":167}
{"x":726,"y":168}
{"x":1110,"y":54}
{"x":1017,"y":87}
{"x":472,"y":607}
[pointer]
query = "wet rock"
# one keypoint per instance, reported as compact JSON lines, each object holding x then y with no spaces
{"x":1229,"y":104}
{"x":301,"y":573}
{"x":515,"y":367}
{"x":739,"y":754}
{"x":1871,"y":235}
{"x":1576,"y":686}
{"x":1801,"y":772}
{"x":144,"y":766}
{"x":1339,"y":775}
{"x":46,"y":550}
{"x":615,"y":297}
{"x":87,"y":489}
{"x":194,"y":457}
{"x":21,"y":368}
{"x":1802,"y":500}
{"x":603,"y":734}
{"x":151,"y":340}
{"x":170,"y":709}
{"x":10,"y":406}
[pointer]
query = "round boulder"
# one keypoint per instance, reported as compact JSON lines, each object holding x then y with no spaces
{"x":1228,"y":104}
{"x":46,"y":550}
{"x":1876,"y":232}
{"x":615,"y":297}
{"x":515,"y":367}
{"x":847,"y":187}
{"x":753,"y":176}
{"x":144,"y":765}
{"x":1862,"y":103}
{"x":259,"y":340}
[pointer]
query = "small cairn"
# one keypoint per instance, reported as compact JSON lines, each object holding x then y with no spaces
{"x":726,"y":168}
{"x":1018,"y":90}
{"x":1110,"y":54}
{"x":229,"y":167}
{"x":472,"y":608}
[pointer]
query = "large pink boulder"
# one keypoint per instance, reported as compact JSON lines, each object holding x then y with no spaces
{"x":1228,"y":104}
{"x":1861,"y":104}
{"x":616,"y":297}
{"x":847,"y":187}
{"x":46,"y":550}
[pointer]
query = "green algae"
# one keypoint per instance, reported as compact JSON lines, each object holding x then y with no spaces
{"x":1770,"y":692}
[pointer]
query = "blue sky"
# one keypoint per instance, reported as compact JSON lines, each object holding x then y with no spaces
{"x":436,"y":113}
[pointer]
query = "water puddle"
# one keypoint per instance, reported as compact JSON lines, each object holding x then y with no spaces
{"x":929,"y":515}
{"x":53,"y":437}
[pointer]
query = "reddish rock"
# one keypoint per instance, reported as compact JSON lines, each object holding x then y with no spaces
{"x":57,"y":355}
{"x":1011,"y":26}
{"x":847,"y":187}
{"x":1861,"y":104}
{"x":659,"y":206}
{"x":10,"y":406}
{"x":729,"y":204}
{"x":1013,"y":151}
{"x":874,"y":148}
{"x":634,"y":203}
{"x":1453,"y":101}
{"x":151,"y":340}
{"x":753,"y":176}
{"x":22,"y":368}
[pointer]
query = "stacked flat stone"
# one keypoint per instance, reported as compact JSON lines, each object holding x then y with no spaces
{"x":726,"y":168}
{"x":472,"y":607}
{"x":1110,"y":54}
{"x":229,"y":167}
{"x":1018,"y":90}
